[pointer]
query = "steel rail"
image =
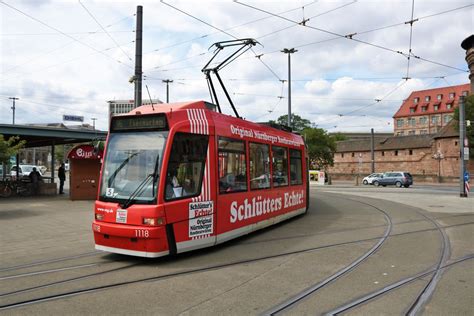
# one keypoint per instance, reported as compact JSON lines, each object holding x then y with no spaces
{"x":312,"y":289}
{"x":394,"y":286}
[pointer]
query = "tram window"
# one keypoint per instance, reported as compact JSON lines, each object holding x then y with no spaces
{"x":296,"y":168}
{"x":280,"y":166}
{"x":186,"y":166}
{"x":259,"y":158}
{"x":232,"y":166}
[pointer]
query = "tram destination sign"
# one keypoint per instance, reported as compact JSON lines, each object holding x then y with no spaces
{"x":145,"y":122}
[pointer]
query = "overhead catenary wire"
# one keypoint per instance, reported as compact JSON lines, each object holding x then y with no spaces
{"x":75,"y":109}
{"x":348,"y":36}
{"x":223,"y":31}
{"x":227,"y":29}
{"x":69,"y":33}
{"x":57,"y":30}
{"x":411,"y":37}
{"x":64,"y":62}
{"x":361,"y":32}
{"x":103,"y":28}
{"x":87,"y":34}
{"x":304,"y":21}
{"x":280,"y":97}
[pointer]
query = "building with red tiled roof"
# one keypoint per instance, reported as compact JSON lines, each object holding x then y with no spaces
{"x":427,"y":111}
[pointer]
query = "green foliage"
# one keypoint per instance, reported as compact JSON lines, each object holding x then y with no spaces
{"x":469,"y":115}
{"x":9,"y":148}
{"x":321,"y":147}
{"x":298,"y":123}
{"x":339,"y":136}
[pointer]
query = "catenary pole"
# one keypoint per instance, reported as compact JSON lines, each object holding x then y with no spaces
{"x":13,"y":107}
{"x":167,"y":81}
{"x":372,"y":151}
{"x":462,"y":137}
{"x":138,"y":57}
{"x":289,"y":51}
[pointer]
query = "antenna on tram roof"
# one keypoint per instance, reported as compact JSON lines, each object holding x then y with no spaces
{"x":150,"y":98}
{"x":245,"y":44}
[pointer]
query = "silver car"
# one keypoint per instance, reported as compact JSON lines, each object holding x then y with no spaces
{"x":370,"y":178}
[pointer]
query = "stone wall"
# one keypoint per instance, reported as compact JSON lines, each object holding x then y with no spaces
{"x":419,"y":162}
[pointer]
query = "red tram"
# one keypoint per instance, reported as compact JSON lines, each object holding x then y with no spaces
{"x":182,"y":176}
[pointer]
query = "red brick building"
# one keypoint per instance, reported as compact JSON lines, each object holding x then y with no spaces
{"x":426,"y":142}
{"x":427,"y":111}
{"x":426,"y":157}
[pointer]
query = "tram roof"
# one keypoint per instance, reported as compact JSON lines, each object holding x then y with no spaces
{"x":220,"y":121}
{"x":169,"y":107}
{"x":39,"y":136}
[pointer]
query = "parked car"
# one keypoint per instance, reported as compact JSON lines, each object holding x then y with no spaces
{"x":397,"y":178}
{"x":24,"y":170}
{"x":42,"y":169}
{"x":370,"y":178}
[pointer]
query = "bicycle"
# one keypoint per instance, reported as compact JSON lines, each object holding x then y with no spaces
{"x":6,"y":188}
{"x":23,"y":188}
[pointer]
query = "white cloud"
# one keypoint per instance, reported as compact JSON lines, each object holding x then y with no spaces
{"x":64,"y":72}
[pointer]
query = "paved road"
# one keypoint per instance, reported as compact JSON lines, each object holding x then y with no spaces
{"x":49,"y":264}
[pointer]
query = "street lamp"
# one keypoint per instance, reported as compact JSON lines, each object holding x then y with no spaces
{"x":93,"y":122}
{"x":289,"y":51}
{"x":439,"y":156}
{"x":167,"y":81}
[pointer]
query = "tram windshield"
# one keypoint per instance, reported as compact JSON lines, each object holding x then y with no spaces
{"x":131,"y":167}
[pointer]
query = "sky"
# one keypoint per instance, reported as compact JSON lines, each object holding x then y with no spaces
{"x":351,"y":71}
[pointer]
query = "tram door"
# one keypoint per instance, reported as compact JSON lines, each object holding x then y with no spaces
{"x":189,"y":202}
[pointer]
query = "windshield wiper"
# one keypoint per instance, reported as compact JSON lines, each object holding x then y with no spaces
{"x":137,"y":191}
{"x":141,"y":186}
{"x":126,"y":161}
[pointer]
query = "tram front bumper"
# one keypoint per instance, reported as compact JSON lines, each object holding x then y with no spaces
{"x":143,"y":241}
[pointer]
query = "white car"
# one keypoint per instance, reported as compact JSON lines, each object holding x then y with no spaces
{"x":24,"y":170}
{"x":370,"y":178}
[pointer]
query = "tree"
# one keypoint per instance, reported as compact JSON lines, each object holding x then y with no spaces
{"x":469,"y":111}
{"x":298,"y":123}
{"x":321,"y":147}
{"x":9,"y":148}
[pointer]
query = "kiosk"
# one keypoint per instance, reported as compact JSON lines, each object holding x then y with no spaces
{"x":84,"y":171}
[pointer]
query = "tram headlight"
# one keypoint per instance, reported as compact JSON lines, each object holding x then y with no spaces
{"x":99,"y":217}
{"x":152,"y":221}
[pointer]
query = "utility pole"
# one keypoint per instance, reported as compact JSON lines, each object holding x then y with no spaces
{"x":372,"y":151}
{"x":462,"y":139}
{"x":93,"y":119}
{"x":13,"y":107}
{"x":289,"y":51}
{"x":468,"y":45}
{"x":167,"y":81}
{"x":138,"y":58}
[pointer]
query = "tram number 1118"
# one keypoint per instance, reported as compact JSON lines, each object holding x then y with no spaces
{"x":142,"y":233}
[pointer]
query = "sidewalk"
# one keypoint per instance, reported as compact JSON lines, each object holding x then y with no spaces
{"x":439,"y":202}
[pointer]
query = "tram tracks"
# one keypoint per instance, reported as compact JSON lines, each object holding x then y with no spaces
{"x":312,"y":289}
{"x":187,"y":272}
{"x":423,"y":297}
{"x":47,"y":261}
{"x":385,"y":290}
{"x":414,"y":308}
{"x":155,"y":278}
